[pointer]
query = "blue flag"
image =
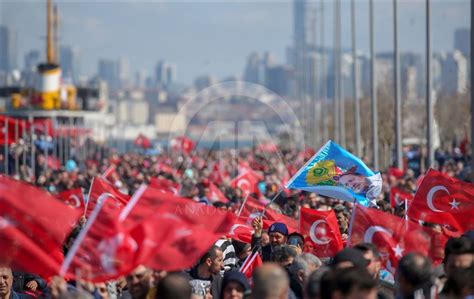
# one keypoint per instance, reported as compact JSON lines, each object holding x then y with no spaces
{"x":336,"y":173}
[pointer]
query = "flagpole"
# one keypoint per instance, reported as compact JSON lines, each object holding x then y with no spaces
{"x":429,"y":87}
{"x":75,"y":246}
{"x":351,"y":223}
{"x":396,"y":89}
{"x":243,"y":204}
{"x":133,"y":201}
{"x":88,"y":196}
{"x":355,"y":79}
{"x":375,"y":140}
{"x":271,"y":201}
{"x":6,"y":145}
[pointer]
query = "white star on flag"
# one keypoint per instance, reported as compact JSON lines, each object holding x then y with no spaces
{"x":398,"y":250}
{"x":454,"y":204}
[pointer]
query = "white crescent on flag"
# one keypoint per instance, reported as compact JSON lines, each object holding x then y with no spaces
{"x":369,"y":233}
{"x":74,"y":201}
{"x":431,"y":193}
{"x":244,"y":184}
{"x":312,"y":233}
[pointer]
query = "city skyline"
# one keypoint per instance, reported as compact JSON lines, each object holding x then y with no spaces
{"x":214,"y":37}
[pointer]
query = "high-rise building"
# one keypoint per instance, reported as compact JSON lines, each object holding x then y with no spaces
{"x":108,"y":71}
{"x":278,"y":78}
{"x":123,"y":71}
{"x":8,"y":53}
{"x":462,"y":40}
{"x":69,"y":62}
{"x":252,"y":69}
{"x":454,"y":73}
{"x":165,"y":74}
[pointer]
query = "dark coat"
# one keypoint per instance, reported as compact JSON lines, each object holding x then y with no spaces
{"x":20,"y":279}
{"x":265,"y":251}
{"x":216,"y":282}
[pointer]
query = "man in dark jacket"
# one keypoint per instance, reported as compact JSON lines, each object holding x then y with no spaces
{"x":205,"y":277}
{"x":23,"y":281}
{"x":6,"y":283}
{"x":278,"y":233}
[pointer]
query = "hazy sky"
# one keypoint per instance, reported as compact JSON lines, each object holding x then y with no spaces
{"x":214,"y":37}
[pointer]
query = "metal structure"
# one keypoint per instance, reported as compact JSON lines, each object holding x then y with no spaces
{"x":373,"y":85}
{"x":429,"y":90}
{"x":396,"y":90}
{"x":355,"y":80}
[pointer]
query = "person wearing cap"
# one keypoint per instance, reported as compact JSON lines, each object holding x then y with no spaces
{"x":235,"y":286}
{"x":278,"y":233}
{"x":349,"y":257}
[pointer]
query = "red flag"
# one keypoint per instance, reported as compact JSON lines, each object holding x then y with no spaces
{"x":398,"y":196}
{"x":444,"y":200}
{"x":142,"y":141}
{"x":393,"y":236}
{"x":110,"y":174}
{"x":106,"y":250}
{"x":216,"y":194}
{"x":163,"y":167}
{"x":242,"y":230}
{"x":101,"y":189}
{"x":323,"y":231}
{"x":165,"y":185}
{"x":254,"y":208}
{"x":247,"y":182}
{"x":73,"y":198}
{"x":252,"y":262}
{"x":267,"y":147}
{"x":33,"y":227}
{"x":12,"y":133}
{"x":182,"y":144}
{"x":192,"y":227}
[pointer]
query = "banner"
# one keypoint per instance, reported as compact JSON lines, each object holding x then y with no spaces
{"x":336,"y":173}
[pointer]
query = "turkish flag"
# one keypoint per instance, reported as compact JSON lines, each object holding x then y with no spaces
{"x":33,"y":227}
{"x":15,"y":129}
{"x":108,"y":249}
{"x":323,"y":231}
{"x":182,"y":144}
{"x":163,"y":167}
{"x":102,"y":190}
{"x":254,"y":208}
{"x":142,"y":141}
{"x":242,"y":230}
{"x":398,"y":196}
{"x":393,"y":236}
{"x":165,"y":185}
{"x":73,"y":198}
{"x":193,"y":228}
{"x":110,"y":174}
{"x":444,"y":200}
{"x":252,"y":262}
{"x":247,"y":182}
{"x":216,"y":194}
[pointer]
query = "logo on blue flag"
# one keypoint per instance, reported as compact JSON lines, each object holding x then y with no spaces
{"x":336,"y":173}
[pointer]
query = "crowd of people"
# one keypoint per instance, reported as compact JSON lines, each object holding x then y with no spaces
{"x":289,"y":269}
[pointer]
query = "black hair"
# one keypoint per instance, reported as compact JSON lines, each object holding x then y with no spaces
{"x":460,"y":280}
{"x":174,"y":285}
{"x":219,"y":204}
{"x":416,"y":269}
{"x":457,"y":246}
{"x":211,"y":253}
{"x":365,"y":247}
{"x":345,"y":281}
{"x":283,"y":253}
